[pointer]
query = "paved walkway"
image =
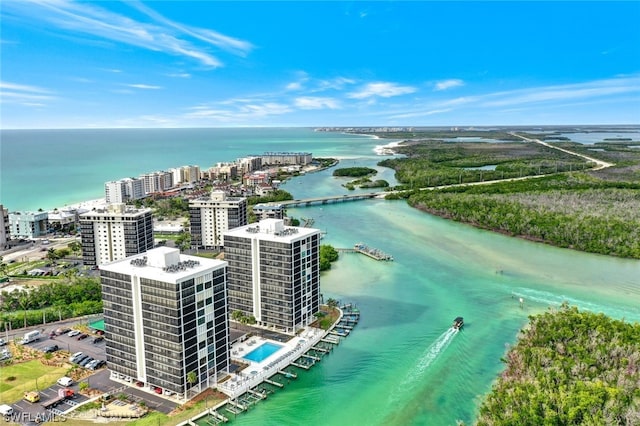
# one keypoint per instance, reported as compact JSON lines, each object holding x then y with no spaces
{"x":257,"y":372}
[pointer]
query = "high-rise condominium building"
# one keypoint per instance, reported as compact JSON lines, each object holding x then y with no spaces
{"x":274,"y":273}
{"x":4,"y":227}
{"x":212,"y":216}
{"x":166,"y":319}
{"x":28,"y":224}
{"x":123,"y":190}
{"x":115,"y":233}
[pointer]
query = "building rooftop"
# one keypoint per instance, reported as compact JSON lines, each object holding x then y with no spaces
{"x":116,"y":209}
{"x":272,"y":230}
{"x":164,"y":264}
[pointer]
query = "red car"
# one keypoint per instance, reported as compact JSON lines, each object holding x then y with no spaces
{"x":158,"y":391}
{"x":82,"y":336}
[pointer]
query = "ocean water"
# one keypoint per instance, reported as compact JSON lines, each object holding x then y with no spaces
{"x":401,"y":365}
{"x":52,"y":168}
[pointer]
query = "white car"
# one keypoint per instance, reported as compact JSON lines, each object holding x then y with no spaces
{"x":73,"y":333}
{"x":65,"y":381}
{"x":75,"y":356}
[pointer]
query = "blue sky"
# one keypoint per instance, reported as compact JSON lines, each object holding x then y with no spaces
{"x":71,"y":64}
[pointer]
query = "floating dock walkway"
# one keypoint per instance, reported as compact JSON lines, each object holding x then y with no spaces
{"x":373,"y":253}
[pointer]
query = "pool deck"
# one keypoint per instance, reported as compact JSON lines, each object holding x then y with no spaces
{"x":258,"y":372}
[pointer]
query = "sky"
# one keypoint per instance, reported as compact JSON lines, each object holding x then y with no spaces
{"x":108,"y":64}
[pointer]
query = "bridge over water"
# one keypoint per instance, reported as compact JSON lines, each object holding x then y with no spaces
{"x":328,"y":200}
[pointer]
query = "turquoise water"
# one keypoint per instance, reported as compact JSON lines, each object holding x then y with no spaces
{"x":262,"y":352}
{"x":400,"y":366}
{"x":52,"y":168}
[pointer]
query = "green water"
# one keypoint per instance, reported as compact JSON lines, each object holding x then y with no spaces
{"x":399,"y":366}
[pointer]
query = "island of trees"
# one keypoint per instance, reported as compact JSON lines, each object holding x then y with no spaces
{"x":566,"y":202}
{"x":569,"y":368}
{"x":364,"y":173}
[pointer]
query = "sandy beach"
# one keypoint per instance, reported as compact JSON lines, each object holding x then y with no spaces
{"x":387,"y":149}
{"x":84,"y":205}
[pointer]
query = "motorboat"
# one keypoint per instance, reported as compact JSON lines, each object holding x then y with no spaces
{"x":458,"y":323}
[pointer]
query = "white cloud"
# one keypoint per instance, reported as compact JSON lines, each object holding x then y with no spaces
{"x":448,"y":84}
{"x":179,"y":75}
{"x":381,"y":89}
{"x":161,"y":35}
{"x":23,"y":94}
{"x":597,"y":88}
{"x":420,"y":113}
{"x":237,"y":112}
{"x":337,"y":83}
{"x":296,"y":85}
{"x":143,"y":86}
{"x":311,"y":102}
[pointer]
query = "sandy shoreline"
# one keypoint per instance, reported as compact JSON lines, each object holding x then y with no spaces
{"x":387,"y":149}
{"x":84,"y":205}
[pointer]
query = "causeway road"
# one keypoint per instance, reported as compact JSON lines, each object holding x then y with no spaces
{"x":599,"y":163}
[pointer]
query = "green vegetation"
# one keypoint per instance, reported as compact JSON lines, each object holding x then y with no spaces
{"x":328,"y":254}
{"x":326,"y":162}
{"x":569,"y":368}
{"x":273,"y":197}
{"x":27,"y":376}
{"x":366,"y":183}
{"x":240,"y":317}
{"x":50,"y":301}
{"x":567,"y":204}
{"x":170,"y":208}
{"x":435,"y":163}
{"x":355,"y":171}
{"x":573,"y":211}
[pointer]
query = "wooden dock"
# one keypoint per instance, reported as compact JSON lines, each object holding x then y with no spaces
{"x":373,"y":253}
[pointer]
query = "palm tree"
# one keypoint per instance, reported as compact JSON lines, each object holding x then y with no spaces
{"x":75,"y":247}
{"x":52,"y":255}
{"x":192,"y":378}
{"x":3,"y":267}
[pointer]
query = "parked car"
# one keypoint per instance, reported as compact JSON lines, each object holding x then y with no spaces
{"x":85,"y":361}
{"x":158,"y":390}
{"x":73,"y":333}
{"x":2,"y":342}
{"x":65,"y":381}
{"x":6,"y":410}
{"x":61,"y":331}
{"x":97,"y":339}
{"x":75,"y":357}
{"x":82,"y":336}
{"x":50,"y":349}
{"x":32,"y":396}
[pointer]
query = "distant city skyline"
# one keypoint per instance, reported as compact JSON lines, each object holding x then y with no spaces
{"x":155,"y":64}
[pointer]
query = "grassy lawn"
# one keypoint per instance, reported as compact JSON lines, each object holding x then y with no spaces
{"x":28,"y":376}
{"x":155,"y":418}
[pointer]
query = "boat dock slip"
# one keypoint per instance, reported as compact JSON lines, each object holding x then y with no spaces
{"x":271,"y":382}
{"x":218,"y":416}
{"x":331,"y":339}
{"x":288,"y":375}
{"x":257,"y":394}
{"x":373,"y":253}
{"x":304,"y":367}
{"x":315,"y":348}
{"x":315,"y":358}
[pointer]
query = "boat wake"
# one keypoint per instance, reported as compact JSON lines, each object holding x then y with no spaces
{"x":548,"y":298}
{"x":426,"y":359}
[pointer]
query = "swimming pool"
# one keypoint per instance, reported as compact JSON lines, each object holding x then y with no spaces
{"x":262,"y":352}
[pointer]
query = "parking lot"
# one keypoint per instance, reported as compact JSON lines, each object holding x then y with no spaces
{"x":35,"y":408}
{"x":72,"y":344}
{"x":100,"y":380}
